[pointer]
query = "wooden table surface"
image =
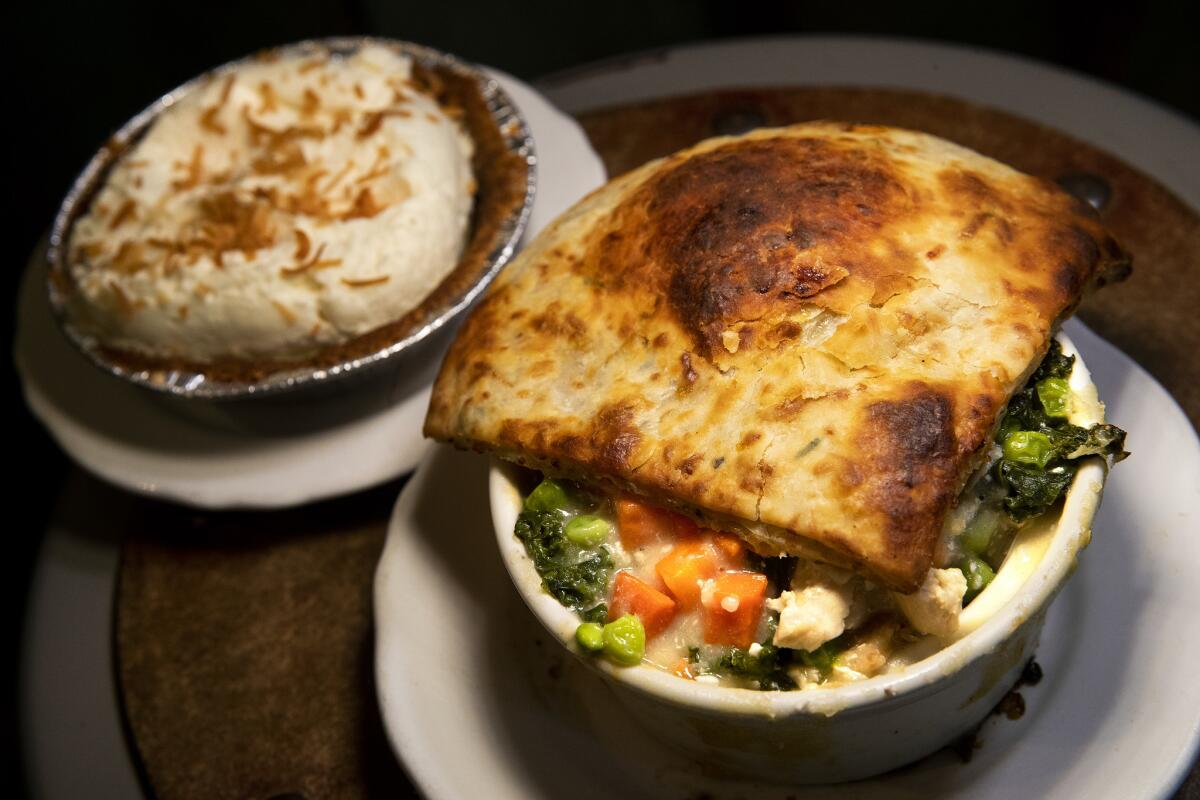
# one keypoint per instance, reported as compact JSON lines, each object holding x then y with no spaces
{"x":244,"y":639}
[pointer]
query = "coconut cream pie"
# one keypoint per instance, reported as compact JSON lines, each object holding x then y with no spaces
{"x":292,"y":204}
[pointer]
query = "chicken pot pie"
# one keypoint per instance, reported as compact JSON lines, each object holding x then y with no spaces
{"x":794,"y":393}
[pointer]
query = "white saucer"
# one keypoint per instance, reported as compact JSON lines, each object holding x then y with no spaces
{"x":479,"y":701}
{"x":142,"y":443}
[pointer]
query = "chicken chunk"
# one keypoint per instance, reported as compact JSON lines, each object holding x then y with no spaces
{"x":872,"y":647}
{"x":815,"y":609}
{"x":934,"y":608}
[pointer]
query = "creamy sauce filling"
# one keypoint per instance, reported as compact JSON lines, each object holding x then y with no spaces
{"x":288,"y":205}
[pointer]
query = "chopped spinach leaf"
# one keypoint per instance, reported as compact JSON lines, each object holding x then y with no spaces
{"x":575,"y":577}
{"x":1056,"y":364}
{"x":597,"y":613}
{"x":1033,"y":485}
{"x":823,"y":657}
{"x":767,"y":668}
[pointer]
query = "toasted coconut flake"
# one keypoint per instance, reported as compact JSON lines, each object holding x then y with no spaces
{"x":365,"y":206}
{"x":303,"y":266}
{"x":378,"y":169}
{"x":315,"y":176}
{"x":229,"y":223}
{"x":194,"y":170}
{"x":88,"y":250}
{"x":341,"y":116}
{"x":337,"y":178}
{"x":126,"y":212}
{"x":267,"y":93}
{"x":286,"y":157}
{"x":312,"y":102}
{"x":210,"y":123}
{"x":374,"y":121}
{"x":288,"y":315}
{"x":130,"y":258}
{"x":358,"y":283}
{"x":303,"y":243}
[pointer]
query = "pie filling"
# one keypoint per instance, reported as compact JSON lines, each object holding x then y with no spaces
{"x":652,"y":585}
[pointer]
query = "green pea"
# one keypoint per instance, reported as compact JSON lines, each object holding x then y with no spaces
{"x":590,"y":636}
{"x":587,"y":531}
{"x":979,"y":531}
{"x":978,"y":575}
{"x":625,"y":640}
{"x":1028,"y":447}
{"x":1055,"y":395}
{"x":548,"y":496}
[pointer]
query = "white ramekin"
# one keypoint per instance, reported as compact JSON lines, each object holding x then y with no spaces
{"x":856,"y":730}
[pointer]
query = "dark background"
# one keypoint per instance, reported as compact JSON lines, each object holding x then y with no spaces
{"x":76,"y":71}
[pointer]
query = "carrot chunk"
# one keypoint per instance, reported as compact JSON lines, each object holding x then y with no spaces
{"x":640,"y":524}
{"x":683,"y":669}
{"x":684,"y":569}
{"x":633,"y":596}
{"x":732,"y":612}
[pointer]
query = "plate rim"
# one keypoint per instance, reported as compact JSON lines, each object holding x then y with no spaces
{"x":920,"y":65}
{"x":416,"y":759}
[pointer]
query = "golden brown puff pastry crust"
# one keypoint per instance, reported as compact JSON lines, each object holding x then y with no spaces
{"x":805,"y":333}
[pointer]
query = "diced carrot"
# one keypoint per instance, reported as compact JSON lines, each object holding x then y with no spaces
{"x":683,"y":669}
{"x":684,"y":568}
{"x":732,"y":551}
{"x":732,"y":613}
{"x":632,"y":596}
{"x":640,"y":524}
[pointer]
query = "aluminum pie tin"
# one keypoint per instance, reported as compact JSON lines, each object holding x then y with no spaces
{"x":516,"y":140}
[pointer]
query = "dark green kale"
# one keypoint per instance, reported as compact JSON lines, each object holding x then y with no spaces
{"x":1056,"y":364}
{"x":767,"y":668}
{"x":1101,"y":440}
{"x":597,"y":613}
{"x":1031,"y":488}
{"x":575,"y":577}
{"x":823,"y":657}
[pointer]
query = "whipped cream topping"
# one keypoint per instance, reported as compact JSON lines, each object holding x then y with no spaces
{"x":288,"y":205}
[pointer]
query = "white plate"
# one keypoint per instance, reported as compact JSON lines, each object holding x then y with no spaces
{"x":479,"y":703}
{"x":467,"y":676}
{"x":140,"y":442}
{"x":1142,"y":133}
